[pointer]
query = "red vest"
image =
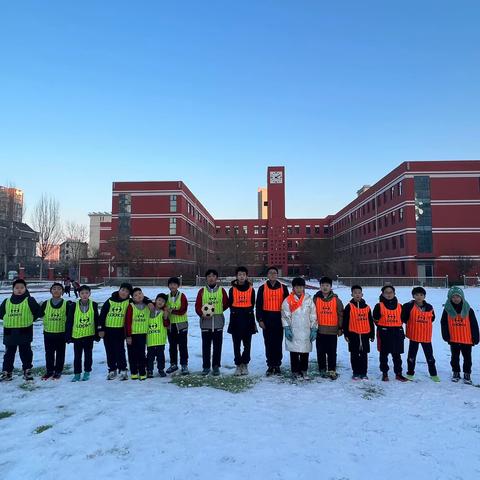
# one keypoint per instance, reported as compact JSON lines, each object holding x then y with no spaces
{"x":327,"y":312}
{"x":272,"y":298}
{"x":359,"y":319}
{"x":242,"y":299}
{"x":390,"y":318}
{"x":460,"y":330}
{"x":419,"y":325}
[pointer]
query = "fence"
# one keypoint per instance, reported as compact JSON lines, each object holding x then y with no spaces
{"x":142,"y":281}
{"x":471,"y":281}
{"x":439,"y":282}
{"x":226,"y":281}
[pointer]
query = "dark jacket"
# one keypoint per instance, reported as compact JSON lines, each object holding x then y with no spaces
{"x":261,"y":314}
{"x":473,"y":323}
{"x":357,"y":342}
{"x":242,"y":319}
{"x":389,"y":339}
{"x":70,"y":317}
{"x":19,"y":336}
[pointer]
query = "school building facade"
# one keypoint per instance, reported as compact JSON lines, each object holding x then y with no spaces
{"x":421,"y":219}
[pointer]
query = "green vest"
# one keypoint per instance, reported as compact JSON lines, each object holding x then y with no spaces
{"x":55,"y":318}
{"x":140,"y":320}
{"x":157,"y":333}
{"x":214,"y":298}
{"x":17,"y":315}
{"x":83,"y":323}
{"x":116,"y":314}
{"x":175,"y":305}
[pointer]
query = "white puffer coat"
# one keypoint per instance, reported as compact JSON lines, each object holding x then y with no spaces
{"x":301,"y":321}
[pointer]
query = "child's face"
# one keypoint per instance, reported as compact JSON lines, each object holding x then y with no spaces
{"x":388,"y":293}
{"x":159,"y":303}
{"x":357,"y":294}
{"x":173,"y":287}
{"x":299,"y":290}
{"x":241,"y":277}
{"x":84,"y":294}
{"x":211,"y":279}
{"x":19,"y":289}
{"x":419,"y":298}
{"x":124,"y":293}
{"x":138,"y":296}
{"x":456,"y":299}
{"x":57,"y":291}
{"x":326,"y":288}
{"x":272,"y":275}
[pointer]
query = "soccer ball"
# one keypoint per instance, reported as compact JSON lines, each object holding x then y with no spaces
{"x":208,"y":310}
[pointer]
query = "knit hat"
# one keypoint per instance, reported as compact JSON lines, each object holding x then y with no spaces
{"x":19,"y":280}
{"x":449,"y":305}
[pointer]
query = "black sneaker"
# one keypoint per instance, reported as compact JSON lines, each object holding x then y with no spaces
{"x":385,"y":377}
{"x":185,"y":370}
{"x":466,"y":379}
{"x":172,"y":368}
{"x":455,"y":377}
{"x":216,"y":371}
{"x":162,"y":373}
{"x":47,"y":375}
{"x":57,"y":376}
{"x":277,"y":371}
{"x":149,"y":374}
{"x":205,"y":371}
{"x":270,"y":371}
{"x":6,"y":377}
{"x":27,"y":375}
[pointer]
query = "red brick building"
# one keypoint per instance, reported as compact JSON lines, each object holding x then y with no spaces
{"x":421,"y":219}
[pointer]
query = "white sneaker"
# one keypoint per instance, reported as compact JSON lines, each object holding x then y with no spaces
{"x":238,"y":371}
{"x":244,"y":369}
{"x":112,"y":375}
{"x":123,"y":375}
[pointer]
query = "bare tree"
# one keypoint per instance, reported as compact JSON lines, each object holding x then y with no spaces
{"x":46,"y":221}
{"x":464,"y":265}
{"x":77,"y":235}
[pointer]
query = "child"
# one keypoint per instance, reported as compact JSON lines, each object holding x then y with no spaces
{"x":157,"y":336}
{"x":54,"y":313}
{"x":359,"y":331}
{"x":212,"y":326}
{"x":177,"y":305}
{"x":242,"y":319}
{"x":419,"y":316}
{"x":136,"y":326}
{"x":268,"y":309}
{"x":82,"y":329}
{"x":299,"y":319}
{"x":329,"y":310}
{"x":112,"y":322}
{"x":18,"y":313}
{"x":460,"y":330}
{"x":387,"y":315}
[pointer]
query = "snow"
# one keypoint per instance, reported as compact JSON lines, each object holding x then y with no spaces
{"x":277,"y":429}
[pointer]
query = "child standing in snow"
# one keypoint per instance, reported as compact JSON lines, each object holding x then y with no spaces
{"x":460,"y":330}
{"x":359,"y":331}
{"x":18,"y":314}
{"x":157,"y":336}
{"x":387,"y":314}
{"x":419,"y":317}
{"x":299,"y":320}
{"x":82,"y":330}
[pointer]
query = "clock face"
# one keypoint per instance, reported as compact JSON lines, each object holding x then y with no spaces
{"x":276,"y":177}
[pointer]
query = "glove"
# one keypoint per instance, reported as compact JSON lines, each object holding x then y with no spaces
{"x":288,"y":333}
{"x":313,"y":334}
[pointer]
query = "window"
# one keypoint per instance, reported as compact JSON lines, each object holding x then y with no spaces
{"x":385,"y":196}
{"x":245,"y":230}
{"x":173,"y":226}
{"x":264,"y":245}
{"x":393,"y":217}
{"x":402,"y":241}
{"x":255,"y":230}
{"x":394,"y":243}
{"x":325,"y":229}
{"x":400,"y":189}
{"x":402,"y":266}
{"x":172,"y":248}
{"x":289,"y":244}
{"x":297,"y":229}
{"x":392,"y":192}
{"x":308,"y":229}
{"x":264,"y":230}
{"x":217,"y":229}
{"x":173,"y":203}
{"x":385,"y":220}
{"x":227,"y":230}
{"x":400,"y":215}
{"x":289,"y":230}
{"x":236,"y":229}
{"x":317,"y":229}
{"x":423,"y":214}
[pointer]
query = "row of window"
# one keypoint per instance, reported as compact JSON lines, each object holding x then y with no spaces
{"x":257,"y":230}
{"x":395,"y":268}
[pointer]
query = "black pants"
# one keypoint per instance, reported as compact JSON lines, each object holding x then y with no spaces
{"x":67,"y":290}
{"x":210,"y":337}
{"x":26,"y":356}
{"x":273,"y":339}
{"x":359,"y":361}
{"x":114,"y":341}
{"x":326,"y":352}
{"x":54,"y":352}
{"x":136,"y":354}
{"x":82,"y":346}
{"x":466,"y":351}
{"x":298,"y":362}
{"x":397,"y":362}
{"x":412,"y":357}
{"x":156,"y":353}
{"x":241,"y":358}
{"x":177,"y":341}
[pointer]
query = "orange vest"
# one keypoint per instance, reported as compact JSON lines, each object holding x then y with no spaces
{"x":390,"y":318}
{"x":242,"y":299}
{"x":272,"y":298}
{"x":359,"y":319}
{"x":419,"y":325}
{"x":327,"y":312}
{"x":459,"y":328}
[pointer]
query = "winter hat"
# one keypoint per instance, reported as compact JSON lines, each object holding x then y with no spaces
{"x":19,"y":280}
{"x":298,"y":282}
{"x":449,"y":305}
{"x":388,"y":286}
{"x":127,"y":286}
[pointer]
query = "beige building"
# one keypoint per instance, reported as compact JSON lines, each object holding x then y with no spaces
{"x":96,"y":219}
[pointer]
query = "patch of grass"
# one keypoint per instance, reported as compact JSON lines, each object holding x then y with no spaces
{"x":6,"y":414}
{"x":228,"y":383}
{"x":28,"y":386}
{"x":42,"y":428}
{"x":39,"y":371}
{"x":371,"y":391}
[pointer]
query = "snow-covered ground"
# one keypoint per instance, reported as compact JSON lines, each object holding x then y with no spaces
{"x":276,"y":429}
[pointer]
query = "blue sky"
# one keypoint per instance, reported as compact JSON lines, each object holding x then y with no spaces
{"x":213,"y":92}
